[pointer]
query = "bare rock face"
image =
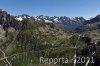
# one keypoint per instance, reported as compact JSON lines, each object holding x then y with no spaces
{"x":3,"y":17}
{"x":6,"y":20}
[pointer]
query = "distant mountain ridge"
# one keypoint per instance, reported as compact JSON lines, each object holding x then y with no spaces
{"x":93,"y":20}
{"x":75,"y":24}
{"x":66,"y":22}
{"x":88,"y":25}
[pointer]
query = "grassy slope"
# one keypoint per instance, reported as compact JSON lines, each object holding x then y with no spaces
{"x":30,"y":32}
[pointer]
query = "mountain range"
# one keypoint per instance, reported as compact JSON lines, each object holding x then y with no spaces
{"x":66,"y":22}
{"x":74,"y":24}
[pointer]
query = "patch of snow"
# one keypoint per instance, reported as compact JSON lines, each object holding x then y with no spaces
{"x":47,"y":21}
{"x":56,"y":20}
{"x":19,"y":18}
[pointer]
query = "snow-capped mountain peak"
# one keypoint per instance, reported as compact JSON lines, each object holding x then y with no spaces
{"x":21,"y":17}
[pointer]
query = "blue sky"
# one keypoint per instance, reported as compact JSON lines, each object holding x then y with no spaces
{"x":70,"y":8}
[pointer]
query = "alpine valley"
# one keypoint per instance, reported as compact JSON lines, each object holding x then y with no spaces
{"x":24,"y":39}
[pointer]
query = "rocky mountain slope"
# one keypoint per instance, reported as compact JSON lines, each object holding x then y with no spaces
{"x":89,"y":25}
{"x":29,"y":39}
